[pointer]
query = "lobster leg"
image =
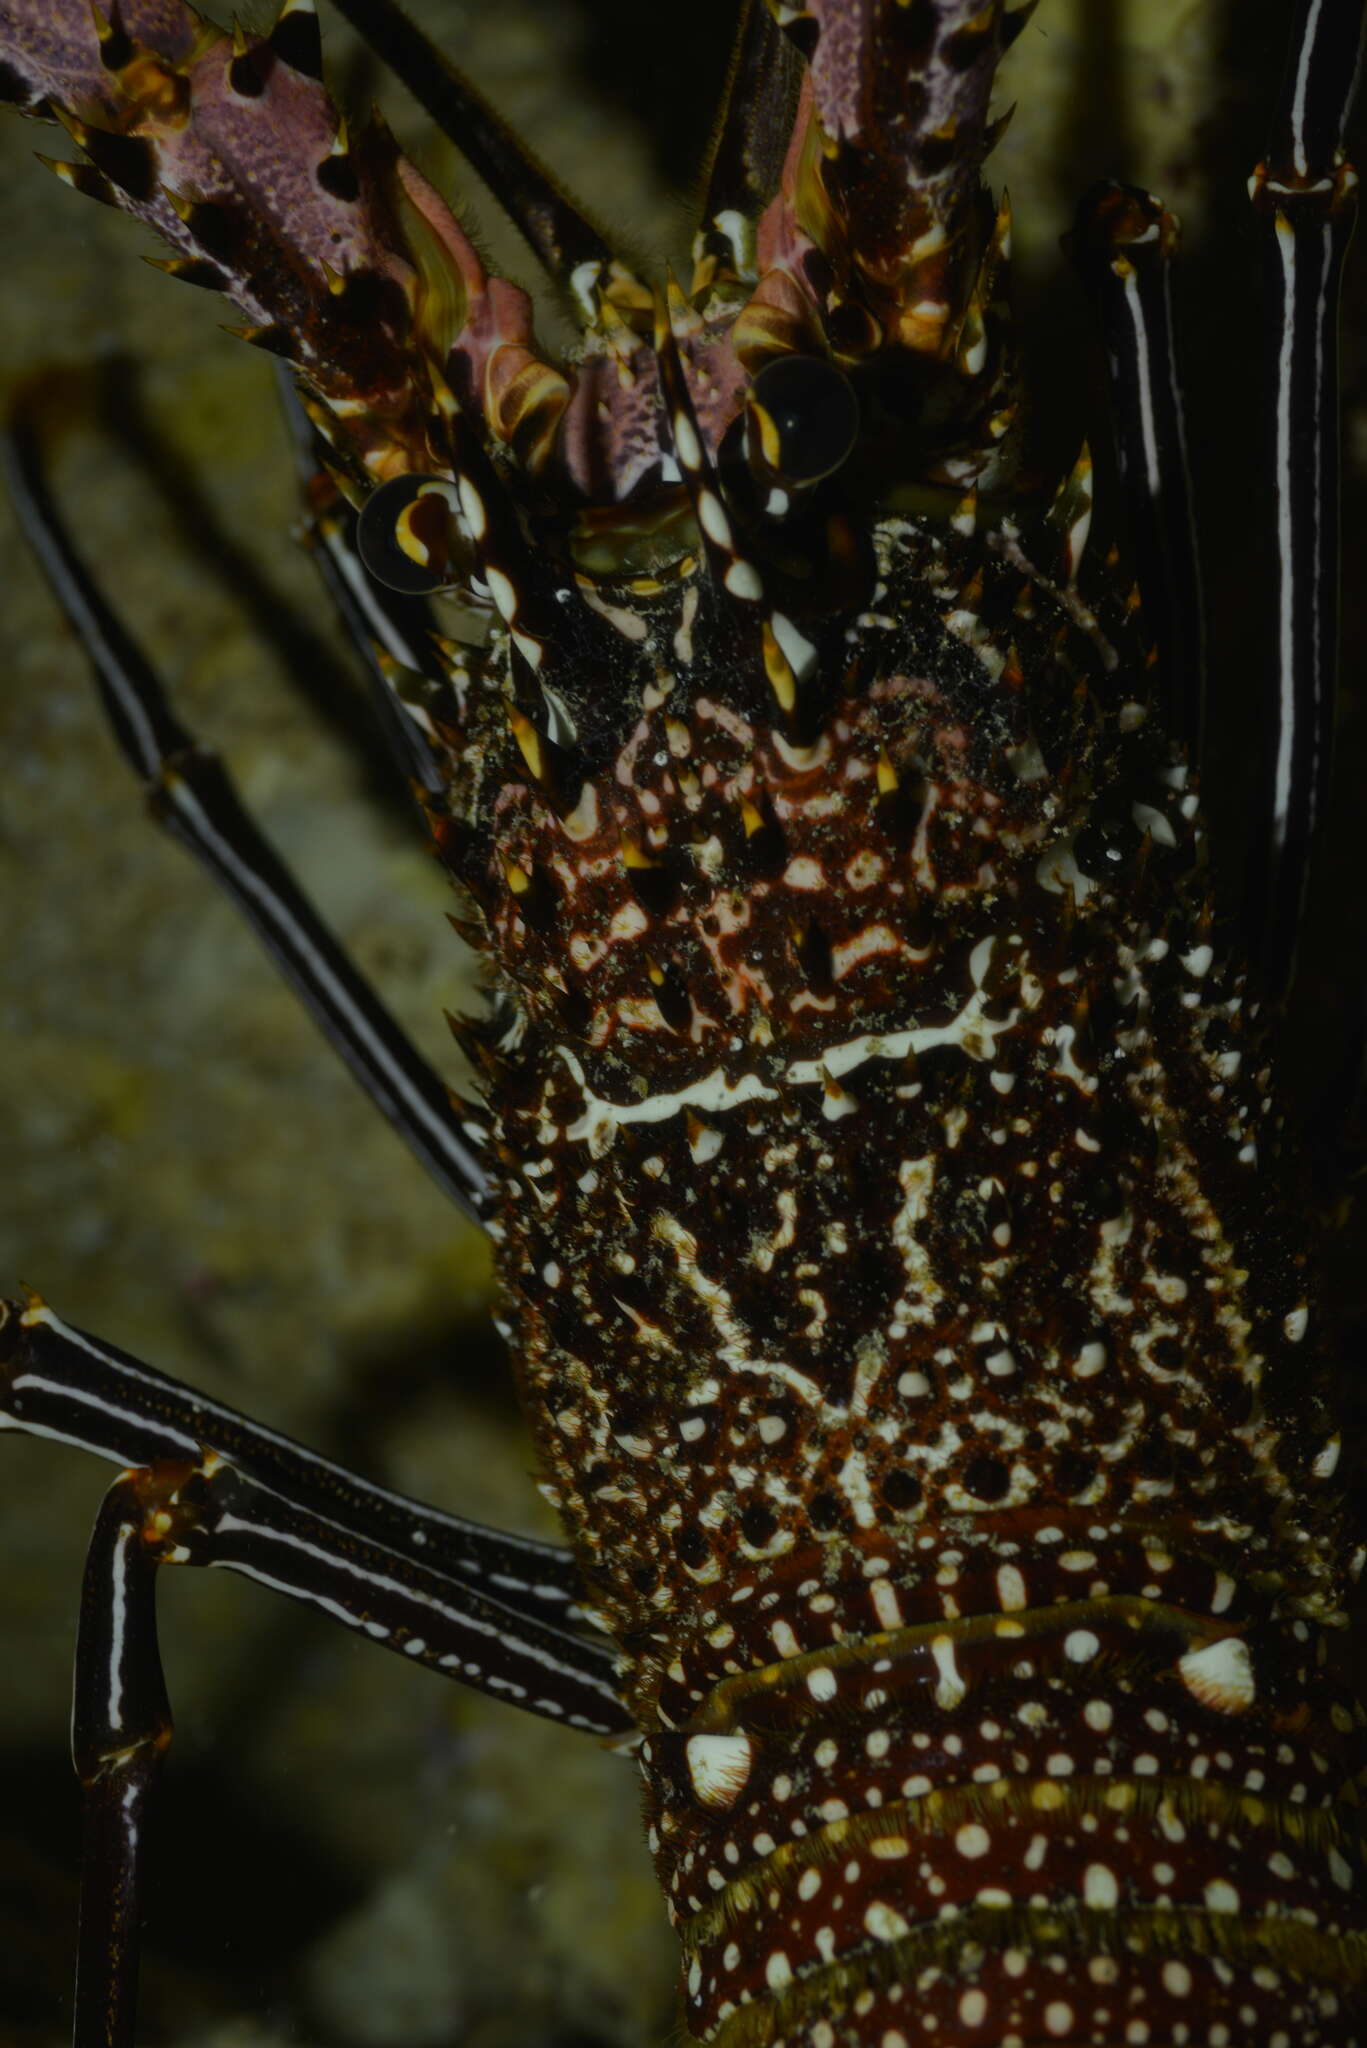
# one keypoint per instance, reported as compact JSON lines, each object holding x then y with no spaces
{"x":60,"y":1383}
{"x":202,"y":1510}
{"x":496,"y":1611}
{"x":1123,"y":245}
{"x":216,"y":1514}
{"x":307,"y":1527}
{"x":194,"y":798}
{"x":1304,"y":198}
{"x":120,"y":1731}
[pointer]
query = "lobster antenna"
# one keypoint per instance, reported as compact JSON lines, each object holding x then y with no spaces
{"x":745,"y":160}
{"x":526,"y":598}
{"x":1304,"y":199}
{"x":736,"y":574}
{"x":573,"y":252}
{"x":195,"y":799}
{"x":1123,"y":245}
{"x":790,"y":660}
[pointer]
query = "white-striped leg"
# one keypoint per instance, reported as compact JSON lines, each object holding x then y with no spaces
{"x":204,"y":1510}
{"x":1123,"y":245}
{"x":60,"y":1383}
{"x":216,"y":1514}
{"x":120,"y":1730}
{"x":1304,"y":198}
{"x":193,"y":797}
{"x":369,"y":1558}
{"x":498,"y":1612}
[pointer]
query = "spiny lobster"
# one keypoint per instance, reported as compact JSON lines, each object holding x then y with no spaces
{"x":972,"y":715}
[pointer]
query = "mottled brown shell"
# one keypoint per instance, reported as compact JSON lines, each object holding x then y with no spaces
{"x":913,"y":1328}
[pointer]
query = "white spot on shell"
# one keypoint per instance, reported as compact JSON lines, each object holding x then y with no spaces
{"x":719,"y":1766}
{"x":1011,"y":1587}
{"x":472,"y":506}
{"x":1058,"y":869}
{"x":797,"y":650}
{"x":884,"y":1923}
{"x":706,"y":1145}
{"x":951,"y":1688}
{"x":1326,"y":1462}
{"x":713,"y":520}
{"x":1220,"y":1675}
{"x":1154,"y":823}
{"x":686,"y":441}
{"x":502,"y":591}
{"x":804,"y":873}
{"x":885,"y":1604}
{"x":742,"y":579}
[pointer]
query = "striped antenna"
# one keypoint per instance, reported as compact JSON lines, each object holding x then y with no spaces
{"x":541,"y":619}
{"x":1304,"y":200}
{"x":734,"y":571}
{"x":1123,"y":245}
{"x":515,"y":579}
{"x":790,"y":659}
{"x":194,"y":798}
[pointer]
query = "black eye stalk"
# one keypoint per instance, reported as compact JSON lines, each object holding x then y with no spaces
{"x":405,"y":531}
{"x":802,"y":421}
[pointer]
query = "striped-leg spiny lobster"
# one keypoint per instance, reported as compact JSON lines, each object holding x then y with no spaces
{"x":877,"y":1141}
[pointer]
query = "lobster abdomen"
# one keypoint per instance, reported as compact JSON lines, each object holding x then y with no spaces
{"x":1069,"y":1820}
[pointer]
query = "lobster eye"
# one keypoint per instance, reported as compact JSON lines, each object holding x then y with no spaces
{"x":806,"y":416}
{"x":404,"y":534}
